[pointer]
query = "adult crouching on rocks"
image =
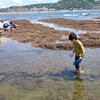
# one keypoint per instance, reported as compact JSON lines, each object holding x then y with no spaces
{"x":12,"y":26}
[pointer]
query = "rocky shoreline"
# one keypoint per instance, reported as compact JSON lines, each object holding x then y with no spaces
{"x":46,"y":37}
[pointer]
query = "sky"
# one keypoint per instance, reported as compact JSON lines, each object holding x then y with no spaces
{"x":8,"y":3}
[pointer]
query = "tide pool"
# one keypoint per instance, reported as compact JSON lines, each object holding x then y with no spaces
{"x":29,"y":73}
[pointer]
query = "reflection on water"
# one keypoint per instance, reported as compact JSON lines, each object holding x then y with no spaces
{"x":78,"y":87}
{"x":29,"y":73}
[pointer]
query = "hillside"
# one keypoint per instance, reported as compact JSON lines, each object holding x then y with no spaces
{"x":64,"y":4}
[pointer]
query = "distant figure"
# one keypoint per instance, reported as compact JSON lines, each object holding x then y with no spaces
{"x":79,"y":51}
{"x":12,"y":26}
{"x":6,"y":26}
{"x":1,"y":25}
{"x":0,"y":41}
{"x":1,"y":28}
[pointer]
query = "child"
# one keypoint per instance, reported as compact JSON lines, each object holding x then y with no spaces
{"x":12,"y":26}
{"x":6,"y":26}
{"x":78,"y":50}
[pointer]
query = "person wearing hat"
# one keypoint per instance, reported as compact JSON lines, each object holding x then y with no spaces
{"x":6,"y":26}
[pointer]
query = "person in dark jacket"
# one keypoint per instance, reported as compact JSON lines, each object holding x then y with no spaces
{"x":12,"y":26}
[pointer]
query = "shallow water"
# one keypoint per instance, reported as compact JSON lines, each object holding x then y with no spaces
{"x":29,"y":73}
{"x":56,"y":27}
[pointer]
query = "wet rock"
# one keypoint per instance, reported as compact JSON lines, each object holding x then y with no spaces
{"x":45,"y":37}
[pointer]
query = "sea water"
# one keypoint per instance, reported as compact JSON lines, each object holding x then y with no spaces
{"x":29,"y":73}
{"x":34,"y":17}
{"x":78,"y":15}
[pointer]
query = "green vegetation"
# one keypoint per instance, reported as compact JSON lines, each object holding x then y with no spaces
{"x":64,"y":4}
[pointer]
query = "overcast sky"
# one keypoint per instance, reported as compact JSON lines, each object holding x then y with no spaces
{"x":7,"y":3}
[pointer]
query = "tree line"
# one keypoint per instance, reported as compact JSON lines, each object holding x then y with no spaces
{"x":64,"y":4}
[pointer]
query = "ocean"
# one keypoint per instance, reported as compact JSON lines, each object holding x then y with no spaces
{"x":78,"y":15}
{"x":34,"y":17}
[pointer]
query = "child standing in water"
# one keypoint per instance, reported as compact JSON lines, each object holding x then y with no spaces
{"x":79,"y":51}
